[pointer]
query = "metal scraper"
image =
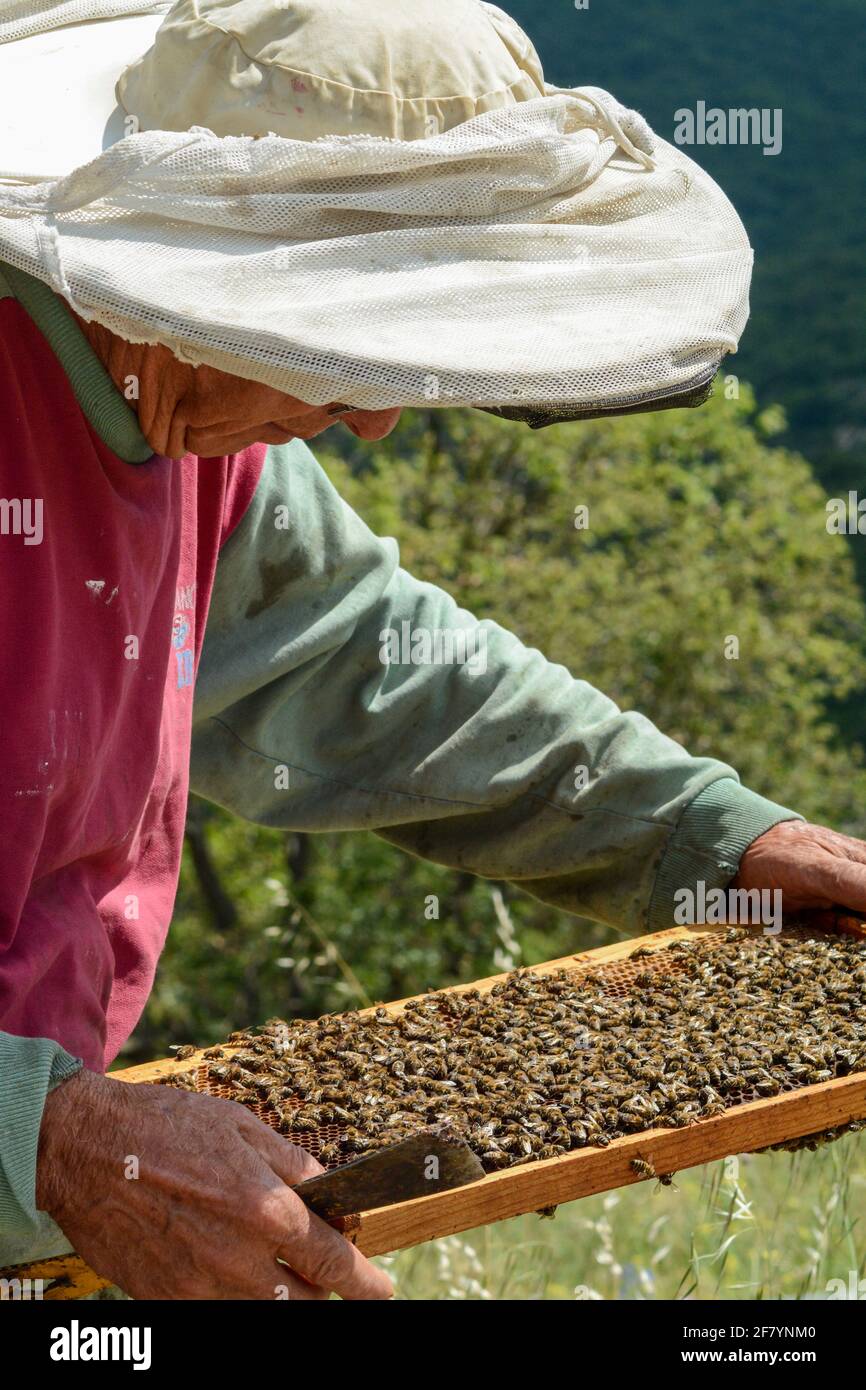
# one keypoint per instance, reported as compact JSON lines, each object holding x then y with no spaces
{"x":415,"y":1167}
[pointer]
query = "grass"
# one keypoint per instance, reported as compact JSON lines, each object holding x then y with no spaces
{"x":761,"y":1226}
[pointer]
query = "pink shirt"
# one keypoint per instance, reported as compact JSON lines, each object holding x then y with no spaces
{"x":101,"y":625}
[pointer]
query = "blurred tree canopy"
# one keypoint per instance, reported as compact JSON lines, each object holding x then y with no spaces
{"x":699,"y":530}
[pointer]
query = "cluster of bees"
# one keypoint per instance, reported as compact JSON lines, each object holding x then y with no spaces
{"x":543,"y":1064}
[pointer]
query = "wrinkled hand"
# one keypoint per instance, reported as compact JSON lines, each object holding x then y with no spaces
{"x":813,"y":866}
{"x":211,"y":1209}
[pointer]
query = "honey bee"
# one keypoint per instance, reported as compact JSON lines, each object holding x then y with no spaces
{"x":716,"y":1107}
{"x":181,"y":1081}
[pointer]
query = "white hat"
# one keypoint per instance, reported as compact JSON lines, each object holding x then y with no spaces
{"x":380,"y":201}
{"x":297,"y":68}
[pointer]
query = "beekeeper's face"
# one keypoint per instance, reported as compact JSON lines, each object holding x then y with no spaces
{"x":201,"y":410}
{"x":223,"y":421}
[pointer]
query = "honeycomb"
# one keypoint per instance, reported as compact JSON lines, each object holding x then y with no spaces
{"x":617,"y":978}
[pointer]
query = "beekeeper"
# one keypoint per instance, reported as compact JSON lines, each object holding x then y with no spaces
{"x":225,"y":227}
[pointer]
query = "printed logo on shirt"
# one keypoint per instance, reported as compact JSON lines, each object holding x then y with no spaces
{"x":180,"y":635}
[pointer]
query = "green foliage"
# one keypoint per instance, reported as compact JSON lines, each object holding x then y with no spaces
{"x":698,"y":529}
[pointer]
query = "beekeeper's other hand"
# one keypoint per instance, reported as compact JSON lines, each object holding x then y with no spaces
{"x":814,"y":867}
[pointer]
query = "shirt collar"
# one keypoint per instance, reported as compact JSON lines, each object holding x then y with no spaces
{"x":103,"y":405}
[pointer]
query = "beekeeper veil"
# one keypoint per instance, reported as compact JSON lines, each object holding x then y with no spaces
{"x":376,"y":201}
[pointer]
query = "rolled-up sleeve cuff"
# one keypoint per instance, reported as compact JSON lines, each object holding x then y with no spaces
{"x":711,"y":838}
{"x":29,"y":1069}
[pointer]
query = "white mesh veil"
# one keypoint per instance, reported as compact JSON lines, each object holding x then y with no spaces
{"x":530,"y":254}
{"x":19,"y":18}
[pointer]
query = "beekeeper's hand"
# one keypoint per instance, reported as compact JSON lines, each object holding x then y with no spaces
{"x":813,"y":866}
{"x":174,"y":1195}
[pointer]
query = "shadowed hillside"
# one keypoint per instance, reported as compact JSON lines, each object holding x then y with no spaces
{"x":804,"y":208}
